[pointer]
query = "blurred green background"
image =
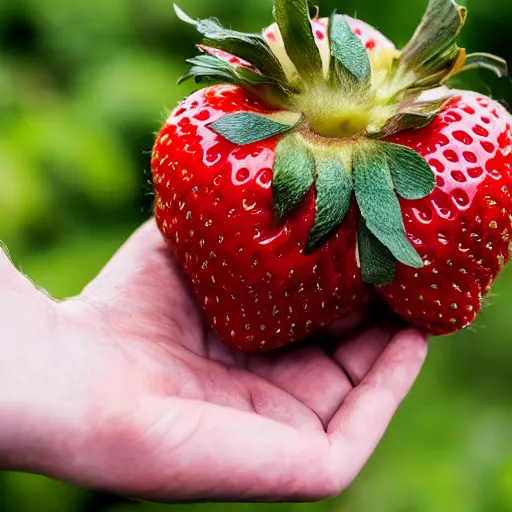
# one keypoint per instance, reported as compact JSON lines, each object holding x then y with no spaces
{"x":84,"y":84}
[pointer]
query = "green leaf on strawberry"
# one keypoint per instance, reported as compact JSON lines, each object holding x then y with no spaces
{"x":379,"y":205}
{"x":486,"y":61}
{"x":347,"y":51}
{"x":246,"y":128}
{"x":294,"y":175}
{"x":378,"y":265}
{"x":334,"y":191}
{"x":412,"y":176}
{"x":208,"y":68}
{"x":250,"y":47}
{"x":292,"y":17}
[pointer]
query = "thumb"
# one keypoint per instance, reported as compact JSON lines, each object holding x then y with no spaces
{"x":143,"y":264}
{"x":142,"y":281}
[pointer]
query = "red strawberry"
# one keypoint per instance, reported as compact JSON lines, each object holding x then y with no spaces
{"x":214,"y":203}
{"x":462,"y":230}
{"x":298,"y":189}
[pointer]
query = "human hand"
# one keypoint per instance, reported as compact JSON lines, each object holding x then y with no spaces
{"x":123,"y":390}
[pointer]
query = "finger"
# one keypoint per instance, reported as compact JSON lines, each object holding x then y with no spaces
{"x":349,"y":325}
{"x":357,"y":355}
{"x":143,"y":258}
{"x":143,"y":289}
{"x":179,"y":450}
{"x":364,"y":416}
{"x":309,"y":375}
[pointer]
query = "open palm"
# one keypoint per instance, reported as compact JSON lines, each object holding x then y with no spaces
{"x":137,"y":397}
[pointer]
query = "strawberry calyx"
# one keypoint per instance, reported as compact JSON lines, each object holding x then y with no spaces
{"x":432,"y":56}
{"x":342,"y":97}
{"x":247,"y":128}
{"x":335,"y":109}
{"x":376,"y":172}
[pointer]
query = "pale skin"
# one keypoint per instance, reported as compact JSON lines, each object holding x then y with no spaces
{"x":123,"y":390}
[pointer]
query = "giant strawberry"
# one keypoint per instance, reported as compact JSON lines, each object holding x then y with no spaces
{"x":326,"y":168}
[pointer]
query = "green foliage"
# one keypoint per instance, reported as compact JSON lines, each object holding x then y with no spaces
{"x":84,"y":84}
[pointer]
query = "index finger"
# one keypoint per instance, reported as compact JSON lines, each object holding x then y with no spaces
{"x":364,"y":416}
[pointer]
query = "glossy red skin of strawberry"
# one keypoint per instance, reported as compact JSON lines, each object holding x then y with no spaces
{"x":462,"y":230}
{"x":214,"y":204}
